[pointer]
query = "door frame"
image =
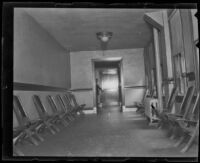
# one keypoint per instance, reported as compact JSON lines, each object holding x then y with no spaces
{"x":109,"y":59}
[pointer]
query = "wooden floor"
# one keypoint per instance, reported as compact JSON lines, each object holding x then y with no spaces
{"x":110,"y":134}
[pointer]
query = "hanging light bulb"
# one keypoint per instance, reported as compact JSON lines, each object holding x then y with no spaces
{"x":104,"y":36}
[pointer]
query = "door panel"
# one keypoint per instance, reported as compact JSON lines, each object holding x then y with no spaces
{"x":110,"y":86}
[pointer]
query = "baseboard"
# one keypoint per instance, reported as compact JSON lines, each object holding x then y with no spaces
{"x":89,"y":111}
{"x":128,"y":109}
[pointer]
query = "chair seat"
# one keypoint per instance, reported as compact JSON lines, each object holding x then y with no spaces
{"x":174,"y":117}
{"x":189,"y":129}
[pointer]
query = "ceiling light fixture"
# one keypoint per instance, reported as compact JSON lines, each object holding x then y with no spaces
{"x":104,"y":37}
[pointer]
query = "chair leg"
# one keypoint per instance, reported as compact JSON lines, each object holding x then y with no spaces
{"x":174,"y":132}
{"x":169,"y":131}
{"x":19,"y":137}
{"x":188,"y":145}
{"x":39,"y":137}
{"x":64,"y":122}
{"x":172,"y":136}
{"x":180,"y":141}
{"x":71,"y":117}
{"x":31,"y":138}
{"x":53,"y":126}
{"x":56,"y":128}
{"x":48,"y":126}
{"x":51,"y":130}
{"x":159,"y":126}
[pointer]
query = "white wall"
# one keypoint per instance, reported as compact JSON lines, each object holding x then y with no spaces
{"x":38,"y":58}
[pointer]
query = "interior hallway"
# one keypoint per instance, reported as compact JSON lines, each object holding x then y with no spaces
{"x":111,"y":134}
{"x":59,"y":51}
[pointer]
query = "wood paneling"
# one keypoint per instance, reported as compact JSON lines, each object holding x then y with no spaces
{"x":36,"y":87}
{"x":81,"y":89}
{"x":135,"y":87}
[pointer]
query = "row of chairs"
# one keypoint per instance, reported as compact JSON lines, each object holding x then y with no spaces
{"x":183,"y":124}
{"x":64,"y":108}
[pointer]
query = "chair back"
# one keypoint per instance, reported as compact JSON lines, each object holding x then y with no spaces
{"x":73,"y":100}
{"x":15,"y":120}
{"x":195,"y":109}
{"x":150,"y":93}
{"x":172,"y":99}
{"x":20,"y":113}
{"x":61,"y":103}
{"x":145,"y":95}
{"x":39,"y":106}
{"x":68,"y":101}
{"x":52,"y":104}
{"x":184,"y":108}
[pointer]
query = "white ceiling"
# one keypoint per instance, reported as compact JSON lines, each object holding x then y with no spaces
{"x":75,"y":28}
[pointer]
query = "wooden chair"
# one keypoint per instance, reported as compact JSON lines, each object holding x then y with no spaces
{"x":168,"y":109}
{"x":18,"y":135}
{"x":66,"y":110}
{"x":27,"y":128}
{"x":141,"y":106}
{"x":181,"y":112}
{"x":60,"y":114}
{"x":70,"y":107}
{"x":194,"y":133}
{"x":75,"y":105}
{"x":189,"y":125}
{"x":47,"y":120}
